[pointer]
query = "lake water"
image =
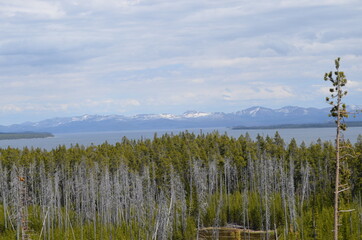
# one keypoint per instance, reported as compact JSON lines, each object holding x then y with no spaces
{"x":308,"y":135}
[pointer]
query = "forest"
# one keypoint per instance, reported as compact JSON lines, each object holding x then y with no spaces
{"x":24,"y":135}
{"x":175,"y":186}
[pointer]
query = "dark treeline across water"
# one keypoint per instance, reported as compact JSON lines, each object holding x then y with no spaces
{"x":172,"y":186}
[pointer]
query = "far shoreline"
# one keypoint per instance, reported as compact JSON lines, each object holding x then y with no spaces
{"x":295,"y":126}
{"x":24,"y":135}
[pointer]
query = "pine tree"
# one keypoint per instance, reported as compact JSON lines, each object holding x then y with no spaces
{"x":339,"y":112}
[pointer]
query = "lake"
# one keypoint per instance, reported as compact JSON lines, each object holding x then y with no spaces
{"x":308,"y":135}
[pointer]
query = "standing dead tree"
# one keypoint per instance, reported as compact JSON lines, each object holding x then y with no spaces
{"x":200,"y":177}
{"x":23,"y":206}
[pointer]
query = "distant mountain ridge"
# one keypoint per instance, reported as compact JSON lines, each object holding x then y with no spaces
{"x":250,"y":117}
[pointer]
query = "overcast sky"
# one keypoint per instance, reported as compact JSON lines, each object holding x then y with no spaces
{"x":74,"y":57}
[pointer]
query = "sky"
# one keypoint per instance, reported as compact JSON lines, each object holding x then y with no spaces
{"x":72,"y":57}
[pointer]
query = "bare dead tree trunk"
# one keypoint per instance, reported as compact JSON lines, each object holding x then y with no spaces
{"x":283,"y":179}
{"x":4,"y":192}
{"x":245,"y":211}
{"x":291,"y":195}
{"x":23,"y":205}
{"x":336,"y":190}
{"x":200,"y":176}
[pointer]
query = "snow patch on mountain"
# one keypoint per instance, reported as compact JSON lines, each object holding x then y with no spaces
{"x":81,"y":118}
{"x":195,"y":114}
{"x":168,"y":116}
{"x":254,"y":111}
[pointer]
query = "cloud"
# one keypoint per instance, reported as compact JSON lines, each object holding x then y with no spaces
{"x":353,"y":84}
{"x":197,"y":80}
{"x":31,"y":8}
{"x":136,"y":56}
{"x":304,"y":3}
{"x":107,"y":106}
{"x":229,"y":92}
{"x":323,"y":90}
{"x":260,"y":91}
{"x":216,"y":62}
{"x":11,"y":108}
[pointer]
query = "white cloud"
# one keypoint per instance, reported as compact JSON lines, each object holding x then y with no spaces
{"x":309,"y":3}
{"x":229,"y":92}
{"x":11,"y":108}
{"x":323,"y":90}
{"x":107,"y":105}
{"x":104,"y":3}
{"x":217,"y":62}
{"x":197,"y":80}
{"x":32,"y":8}
{"x":353,"y":84}
{"x":141,"y":56}
{"x":111,"y":103}
{"x":259,"y":91}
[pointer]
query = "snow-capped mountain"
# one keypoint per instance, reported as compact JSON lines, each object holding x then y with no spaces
{"x":251,"y":117}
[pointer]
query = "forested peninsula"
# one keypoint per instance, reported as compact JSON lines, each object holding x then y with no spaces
{"x":24,"y":135}
{"x":305,"y":125}
{"x":183,"y":186}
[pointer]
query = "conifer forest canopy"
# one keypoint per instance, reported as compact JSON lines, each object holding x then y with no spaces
{"x":174,"y":186}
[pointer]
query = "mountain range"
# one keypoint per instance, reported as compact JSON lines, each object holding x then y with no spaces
{"x":250,"y":117}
